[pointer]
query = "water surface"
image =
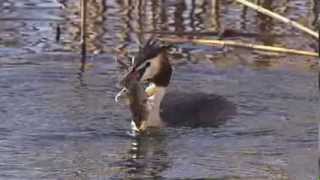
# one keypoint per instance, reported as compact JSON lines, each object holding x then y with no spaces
{"x":59,"y":123}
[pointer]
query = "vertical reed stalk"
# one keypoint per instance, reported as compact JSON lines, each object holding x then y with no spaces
{"x":58,"y":33}
{"x":319,"y":73}
{"x":83,"y":9}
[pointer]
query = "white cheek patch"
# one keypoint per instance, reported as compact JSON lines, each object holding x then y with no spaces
{"x":152,"y":70}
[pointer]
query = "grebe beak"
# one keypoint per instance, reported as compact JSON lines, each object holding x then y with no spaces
{"x":122,"y":96}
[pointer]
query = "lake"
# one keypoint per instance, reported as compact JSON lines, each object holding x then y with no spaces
{"x":57,"y":122}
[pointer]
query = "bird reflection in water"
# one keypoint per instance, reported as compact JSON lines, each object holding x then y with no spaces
{"x":147,"y":156}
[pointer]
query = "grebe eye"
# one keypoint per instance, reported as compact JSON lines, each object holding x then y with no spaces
{"x":148,"y":64}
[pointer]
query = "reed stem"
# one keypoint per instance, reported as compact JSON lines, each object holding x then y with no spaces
{"x":278,"y":17}
{"x":240,"y":44}
{"x":58,"y":33}
{"x":83,"y":9}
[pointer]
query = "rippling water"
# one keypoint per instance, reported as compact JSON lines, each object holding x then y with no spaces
{"x":58,"y":123}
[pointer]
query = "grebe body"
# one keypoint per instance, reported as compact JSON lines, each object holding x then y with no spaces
{"x":154,"y":107}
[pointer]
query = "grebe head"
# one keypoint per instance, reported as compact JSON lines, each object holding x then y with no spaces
{"x":152,"y":64}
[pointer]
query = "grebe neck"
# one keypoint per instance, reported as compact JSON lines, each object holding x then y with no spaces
{"x":154,"y":102}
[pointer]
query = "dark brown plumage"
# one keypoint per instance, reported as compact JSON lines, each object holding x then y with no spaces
{"x":150,"y":49}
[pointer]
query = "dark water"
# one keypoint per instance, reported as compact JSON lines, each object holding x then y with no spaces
{"x":58,"y":123}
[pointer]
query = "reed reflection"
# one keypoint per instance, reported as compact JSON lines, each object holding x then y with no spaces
{"x":180,"y":8}
{"x":316,"y":12}
{"x":133,"y":19}
{"x":125,"y":9}
{"x":265,"y":24}
{"x":200,"y":15}
{"x":124,"y":23}
{"x":164,"y":26}
{"x":94,"y":25}
{"x":155,"y":13}
{"x":214,"y":22}
{"x":244,"y":13}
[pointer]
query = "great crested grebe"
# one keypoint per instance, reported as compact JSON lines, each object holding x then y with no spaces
{"x":152,"y":107}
